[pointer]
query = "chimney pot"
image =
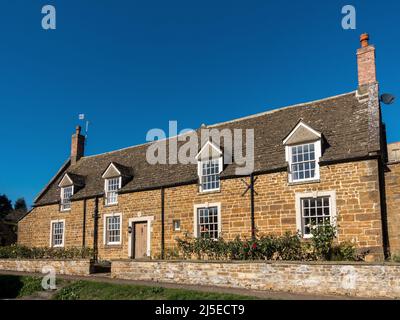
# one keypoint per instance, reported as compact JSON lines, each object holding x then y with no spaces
{"x":364,"y":38}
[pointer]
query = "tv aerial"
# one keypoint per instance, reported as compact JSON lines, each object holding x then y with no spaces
{"x":387,"y":98}
{"x":82,"y":118}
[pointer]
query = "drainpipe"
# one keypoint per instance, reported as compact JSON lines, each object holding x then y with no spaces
{"x":96,"y":228}
{"x":382,"y":194}
{"x":162,"y":224}
{"x":253,"y":225}
{"x":84,"y":224}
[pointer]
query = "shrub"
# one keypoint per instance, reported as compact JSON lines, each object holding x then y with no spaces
{"x":345,"y":252}
{"x":22,"y":252}
{"x":289,"y":247}
{"x":322,"y":240}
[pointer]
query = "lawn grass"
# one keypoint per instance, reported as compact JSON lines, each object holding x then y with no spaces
{"x":89,"y":290}
{"x":12,"y":287}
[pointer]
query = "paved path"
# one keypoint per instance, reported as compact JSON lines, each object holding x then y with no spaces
{"x":248,"y":292}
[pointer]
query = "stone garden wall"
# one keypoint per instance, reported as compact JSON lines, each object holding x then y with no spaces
{"x":68,"y":267}
{"x":353,"y":279}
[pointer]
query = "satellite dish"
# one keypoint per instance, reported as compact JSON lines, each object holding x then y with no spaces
{"x":387,"y":98}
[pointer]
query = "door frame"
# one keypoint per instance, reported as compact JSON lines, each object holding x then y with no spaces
{"x":131,"y":237}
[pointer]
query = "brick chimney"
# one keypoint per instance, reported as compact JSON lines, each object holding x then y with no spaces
{"x":77,"y":146}
{"x":366,"y":62}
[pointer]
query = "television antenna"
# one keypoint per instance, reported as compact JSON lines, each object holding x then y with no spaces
{"x":82,"y":118}
{"x":387,"y":98}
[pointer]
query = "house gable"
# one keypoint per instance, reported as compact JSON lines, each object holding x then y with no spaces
{"x":302,"y":133}
{"x":111,"y":172}
{"x":209,"y":151}
{"x":66,"y":181}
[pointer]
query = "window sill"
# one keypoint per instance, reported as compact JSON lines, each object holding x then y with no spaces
{"x":110,"y":205}
{"x":209,"y":191}
{"x":66,"y":210}
{"x":304,"y":182}
{"x":113,"y":246}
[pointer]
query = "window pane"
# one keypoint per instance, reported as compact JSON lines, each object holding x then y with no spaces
{"x":57,"y":233}
{"x":66,"y":194}
{"x":315,"y":212}
{"x":112,"y":187}
{"x":113,"y":231}
{"x":208,"y":222}
{"x":303,"y":162}
{"x":210,"y":177}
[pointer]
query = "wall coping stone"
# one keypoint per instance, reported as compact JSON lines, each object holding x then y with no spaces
{"x":33,"y":259}
{"x":358,"y":263}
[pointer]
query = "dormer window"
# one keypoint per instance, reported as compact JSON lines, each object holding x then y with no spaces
{"x":209,"y":178}
{"x":112,"y":186}
{"x":210,"y":165}
{"x":66,"y":194}
{"x":303,"y":150}
{"x":69,"y":184}
{"x":114,"y":177}
{"x":303,"y":162}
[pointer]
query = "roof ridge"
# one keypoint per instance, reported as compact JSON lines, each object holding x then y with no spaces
{"x":226,"y":122}
{"x":283,"y":108}
{"x":137,"y":145}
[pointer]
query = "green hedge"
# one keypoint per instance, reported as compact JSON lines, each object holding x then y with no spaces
{"x":289,"y":247}
{"x":22,"y":252}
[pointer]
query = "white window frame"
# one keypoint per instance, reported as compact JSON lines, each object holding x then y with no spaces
{"x":62,"y":208}
{"x":200,"y":174}
{"x":105,"y":229}
{"x":200,"y":161}
{"x":316,"y":194}
{"x":106,"y":192}
{"x":51,"y":233}
{"x":173,"y":225}
{"x":288,"y":154}
{"x":195,"y":215}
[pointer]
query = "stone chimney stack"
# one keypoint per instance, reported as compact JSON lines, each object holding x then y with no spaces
{"x":77,"y":146}
{"x":366,"y":62}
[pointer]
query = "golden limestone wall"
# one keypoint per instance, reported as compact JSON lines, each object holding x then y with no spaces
{"x":393,"y":206}
{"x":357,"y":199}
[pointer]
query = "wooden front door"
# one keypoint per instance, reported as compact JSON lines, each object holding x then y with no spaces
{"x":140,"y":237}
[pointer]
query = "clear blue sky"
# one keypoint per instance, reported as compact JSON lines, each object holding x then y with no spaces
{"x":131,"y":66}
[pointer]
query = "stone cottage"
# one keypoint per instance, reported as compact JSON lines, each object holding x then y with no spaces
{"x":320,"y":162}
